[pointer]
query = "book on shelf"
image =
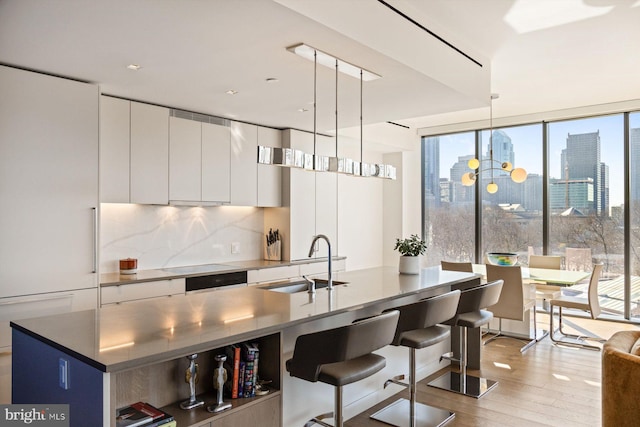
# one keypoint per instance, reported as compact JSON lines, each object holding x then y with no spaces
{"x":250,"y":354}
{"x":232,"y":364}
{"x":241,"y":378}
{"x":142,"y":414}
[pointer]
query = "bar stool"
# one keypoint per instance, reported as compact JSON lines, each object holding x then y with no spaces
{"x":342,"y":356}
{"x":418,"y":328}
{"x":469,"y":315}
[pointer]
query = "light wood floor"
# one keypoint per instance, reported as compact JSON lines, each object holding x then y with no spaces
{"x":547,"y":385}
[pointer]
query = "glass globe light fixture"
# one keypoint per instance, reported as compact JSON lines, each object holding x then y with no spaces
{"x":507,"y":166}
{"x":492,"y":188}
{"x":519,"y":175}
{"x":468,"y":179}
{"x":473,"y":163}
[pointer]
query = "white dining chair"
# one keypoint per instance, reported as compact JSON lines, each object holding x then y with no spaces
{"x":515,"y":300}
{"x":590,"y":304}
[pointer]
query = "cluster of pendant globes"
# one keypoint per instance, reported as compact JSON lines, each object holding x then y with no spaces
{"x":518,"y":175}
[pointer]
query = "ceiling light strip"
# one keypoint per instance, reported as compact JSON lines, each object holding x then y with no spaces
{"x":327,"y":60}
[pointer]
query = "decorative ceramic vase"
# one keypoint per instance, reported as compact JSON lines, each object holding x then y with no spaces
{"x":409,"y":264}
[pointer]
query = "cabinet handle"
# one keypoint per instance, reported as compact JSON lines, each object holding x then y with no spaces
{"x":38,"y":299}
{"x":95,"y":239}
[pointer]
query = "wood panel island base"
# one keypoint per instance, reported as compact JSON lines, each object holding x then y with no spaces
{"x":100,"y":360}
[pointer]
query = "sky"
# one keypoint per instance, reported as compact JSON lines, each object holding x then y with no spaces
{"x":527,"y":144}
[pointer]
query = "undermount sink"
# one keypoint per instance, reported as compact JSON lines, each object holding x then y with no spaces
{"x":299,"y":286}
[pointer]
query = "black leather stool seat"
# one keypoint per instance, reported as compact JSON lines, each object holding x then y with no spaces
{"x":474,"y":319}
{"x":350,"y":371}
{"x":421,"y":338}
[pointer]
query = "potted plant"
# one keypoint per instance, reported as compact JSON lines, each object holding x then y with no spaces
{"x":409,"y":250}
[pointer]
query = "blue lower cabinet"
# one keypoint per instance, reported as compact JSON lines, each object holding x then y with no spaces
{"x":42,"y":374}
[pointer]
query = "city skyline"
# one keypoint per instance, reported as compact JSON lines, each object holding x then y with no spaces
{"x":528,"y":151}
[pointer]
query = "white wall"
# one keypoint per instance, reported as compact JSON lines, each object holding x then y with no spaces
{"x":169,"y":236}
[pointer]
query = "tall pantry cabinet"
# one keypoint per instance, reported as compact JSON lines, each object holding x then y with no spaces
{"x":49,"y":191}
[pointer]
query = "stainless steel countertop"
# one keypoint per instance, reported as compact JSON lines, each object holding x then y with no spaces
{"x":167,"y":328}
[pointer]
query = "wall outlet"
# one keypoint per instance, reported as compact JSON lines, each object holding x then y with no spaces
{"x":235,"y":248}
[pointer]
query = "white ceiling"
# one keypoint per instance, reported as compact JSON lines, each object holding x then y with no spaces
{"x":540,"y":55}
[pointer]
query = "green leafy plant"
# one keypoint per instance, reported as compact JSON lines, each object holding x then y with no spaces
{"x":413,"y":246}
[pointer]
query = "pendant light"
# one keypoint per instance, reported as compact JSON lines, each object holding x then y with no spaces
{"x":288,"y":157}
{"x":518,"y":175}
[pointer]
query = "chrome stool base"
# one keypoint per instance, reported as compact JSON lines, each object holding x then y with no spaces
{"x":399,"y":414}
{"x":461,"y":383}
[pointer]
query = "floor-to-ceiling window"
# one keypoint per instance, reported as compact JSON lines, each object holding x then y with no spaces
{"x":512,"y":216}
{"x":586,"y":200}
{"x":585,"y":205}
{"x":448,"y":206}
{"x":634,"y":213}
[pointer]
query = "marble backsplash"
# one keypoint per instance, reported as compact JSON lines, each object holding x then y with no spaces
{"x":171,"y":236}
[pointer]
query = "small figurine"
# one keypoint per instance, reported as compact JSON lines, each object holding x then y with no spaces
{"x":191,"y":378}
{"x":219,"y":378}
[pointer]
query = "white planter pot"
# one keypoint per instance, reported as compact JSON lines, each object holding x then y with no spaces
{"x":409,"y":264}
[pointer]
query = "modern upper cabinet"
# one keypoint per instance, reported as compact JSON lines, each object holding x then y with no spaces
{"x":134,"y":152}
{"x":199,"y":159}
{"x":269,"y":177}
{"x":244,"y":164}
{"x":49,"y":135}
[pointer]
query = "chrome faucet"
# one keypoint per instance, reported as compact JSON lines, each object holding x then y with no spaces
{"x":313,"y":249}
{"x":311,"y":284}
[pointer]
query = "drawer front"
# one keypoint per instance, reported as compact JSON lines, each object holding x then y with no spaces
{"x":321,"y":267}
{"x":277,"y":273}
{"x":17,"y":308}
{"x":137,"y":291}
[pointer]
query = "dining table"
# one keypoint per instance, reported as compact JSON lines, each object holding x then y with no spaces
{"x":560,"y":278}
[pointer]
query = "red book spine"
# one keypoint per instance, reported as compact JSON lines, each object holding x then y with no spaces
{"x":236,"y":372}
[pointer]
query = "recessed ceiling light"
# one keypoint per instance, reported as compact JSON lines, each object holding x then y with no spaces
{"x":134,"y":67}
{"x":231,"y":92}
{"x":302,"y":110}
{"x":272,"y":80}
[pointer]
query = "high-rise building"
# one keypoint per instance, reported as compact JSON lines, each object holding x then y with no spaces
{"x":431,"y":168}
{"x":459,"y":192}
{"x":604,"y":188}
{"x":502,"y":152}
{"x":582,"y":161}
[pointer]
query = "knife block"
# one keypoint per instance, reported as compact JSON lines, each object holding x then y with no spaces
{"x":273,"y":252}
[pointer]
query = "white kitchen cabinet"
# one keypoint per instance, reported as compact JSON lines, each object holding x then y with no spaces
{"x":47,"y":304}
{"x":199,"y":161}
{"x":136,"y":291}
{"x":115,"y":116}
{"x":244,"y":164}
{"x":49,"y":137}
{"x":216,"y":162}
{"x":149,"y":154}
{"x":185,"y":167}
{"x":269,"y":177}
{"x":133,"y":152}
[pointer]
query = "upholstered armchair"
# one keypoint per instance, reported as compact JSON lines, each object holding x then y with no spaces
{"x":621,"y":380}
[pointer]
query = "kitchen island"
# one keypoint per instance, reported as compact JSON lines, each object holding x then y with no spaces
{"x":99,"y":360}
